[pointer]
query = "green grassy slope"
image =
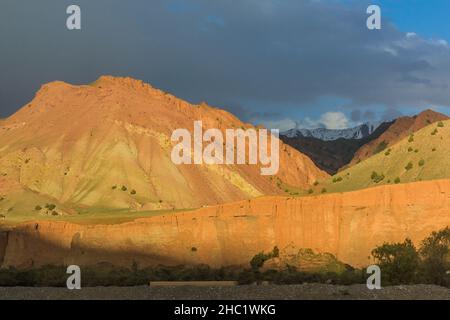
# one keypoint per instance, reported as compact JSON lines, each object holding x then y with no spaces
{"x":422,"y":156}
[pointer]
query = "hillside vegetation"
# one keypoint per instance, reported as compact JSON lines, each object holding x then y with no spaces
{"x":421,"y":156}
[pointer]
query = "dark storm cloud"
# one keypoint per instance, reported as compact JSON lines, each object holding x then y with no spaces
{"x":253,"y":52}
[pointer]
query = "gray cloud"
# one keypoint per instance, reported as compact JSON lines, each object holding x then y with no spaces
{"x":257,"y":53}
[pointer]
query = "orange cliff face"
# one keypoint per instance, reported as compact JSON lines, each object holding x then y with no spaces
{"x":75,"y":143}
{"x":346,"y":225}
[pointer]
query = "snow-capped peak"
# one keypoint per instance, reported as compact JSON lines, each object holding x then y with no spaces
{"x":358,"y":132}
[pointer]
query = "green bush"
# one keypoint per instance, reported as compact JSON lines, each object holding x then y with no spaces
{"x":411,"y":138}
{"x":409,"y":166}
{"x":377,"y":178}
{"x":133,"y":192}
{"x":124,"y":188}
{"x":324,"y":190}
{"x":337,"y":179}
{"x":440,"y":124}
{"x":399,"y":262}
{"x":435,"y":253}
{"x":421,"y":163}
{"x":38,"y":208}
{"x":50,"y":206}
{"x":380,"y":147}
{"x":258,"y":260}
{"x":434,"y":132}
{"x":397,"y":180}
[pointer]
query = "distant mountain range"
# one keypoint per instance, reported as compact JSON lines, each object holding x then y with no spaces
{"x":358,"y":132}
{"x":334,"y":150}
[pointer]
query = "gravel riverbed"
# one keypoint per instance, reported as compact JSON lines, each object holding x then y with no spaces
{"x":250,"y":292}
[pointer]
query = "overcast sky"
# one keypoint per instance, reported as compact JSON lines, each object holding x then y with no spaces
{"x":281,"y":63}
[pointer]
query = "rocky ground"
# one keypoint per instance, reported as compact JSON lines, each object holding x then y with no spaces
{"x":269,"y":292}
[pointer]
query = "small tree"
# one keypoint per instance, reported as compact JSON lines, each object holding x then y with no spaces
{"x":258,"y":260}
{"x":399,"y":262}
{"x":435,"y":253}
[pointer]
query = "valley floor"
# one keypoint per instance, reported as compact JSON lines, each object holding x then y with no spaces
{"x":250,"y":292}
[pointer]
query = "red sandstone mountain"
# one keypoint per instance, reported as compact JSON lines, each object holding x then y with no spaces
{"x":108,"y":145}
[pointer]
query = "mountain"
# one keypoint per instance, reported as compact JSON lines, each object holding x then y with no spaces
{"x":401,"y":128}
{"x":421,"y":156}
{"x":331,"y":155}
{"x":358,"y":132}
{"x":108,"y":145}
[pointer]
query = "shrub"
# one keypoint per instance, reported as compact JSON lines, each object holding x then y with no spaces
{"x":435,"y":251}
{"x":194,"y":249}
{"x":409,"y":166}
{"x":114,"y":187}
{"x":38,"y":208}
{"x":316,"y":183}
{"x":310,"y":191}
{"x":50,"y":206}
{"x":397,"y":180}
{"x":133,"y":192}
{"x":259,"y":259}
{"x":381,"y":146}
{"x":440,"y":124}
{"x":411,"y":138}
{"x":399,"y":262}
{"x":421,"y":163}
{"x":433,"y":150}
{"x":337,"y":179}
{"x":434,"y":132}
{"x":388,"y":152}
{"x":416,"y":151}
{"x":377,"y":177}
{"x":410,"y":149}
{"x":124,"y":188}
{"x":324,"y":190}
